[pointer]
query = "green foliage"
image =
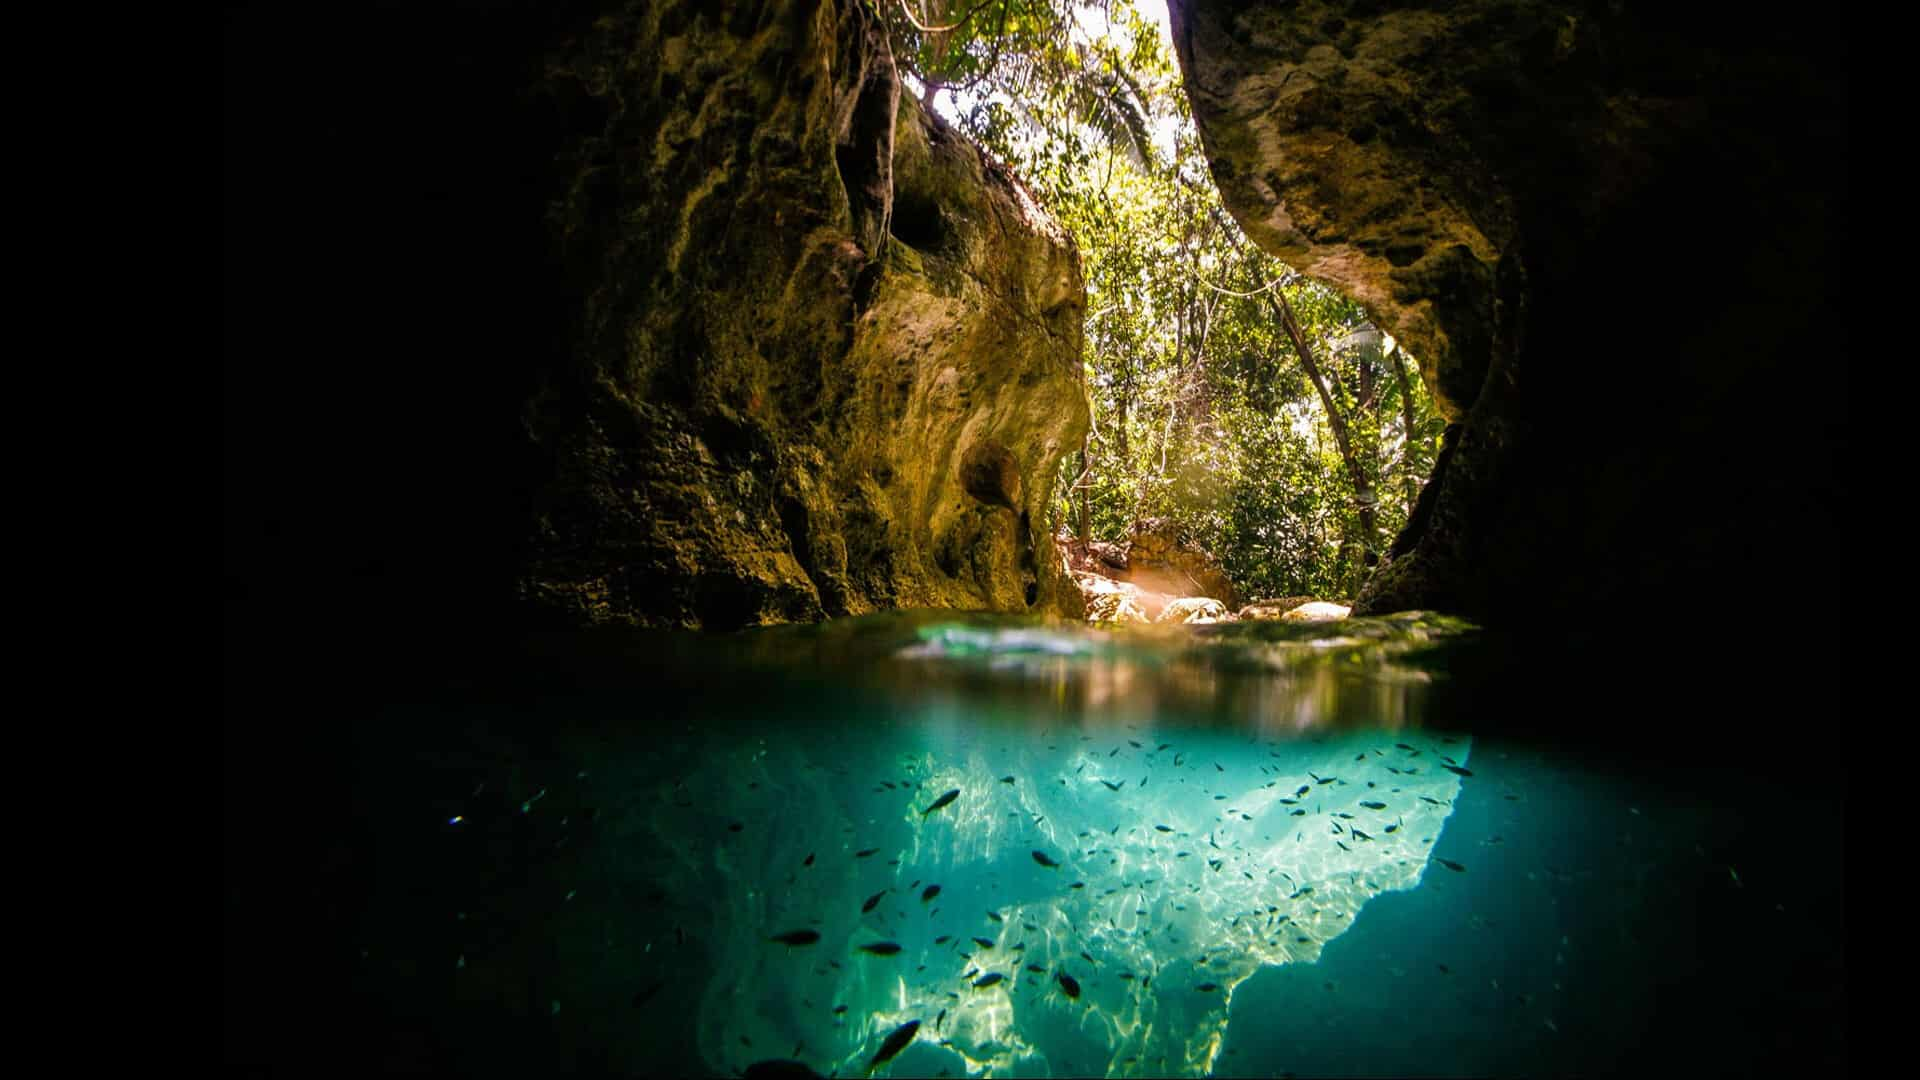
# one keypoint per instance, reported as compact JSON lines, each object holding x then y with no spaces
{"x":1203,"y":414}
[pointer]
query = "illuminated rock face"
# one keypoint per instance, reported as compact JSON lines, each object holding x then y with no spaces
{"x":824,"y":357}
{"x":1157,"y":878}
{"x":1608,"y":239}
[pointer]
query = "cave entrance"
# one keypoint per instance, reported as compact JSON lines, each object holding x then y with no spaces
{"x":1254,"y":436}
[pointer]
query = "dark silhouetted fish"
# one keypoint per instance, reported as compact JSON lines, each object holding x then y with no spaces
{"x":797,"y":937}
{"x":1127,"y":975}
{"x":941,"y":801}
{"x":1078,"y":885}
{"x":1006,"y":779}
{"x":941,"y":1019}
{"x":1069,"y":985}
{"x":1207,"y":987}
{"x":995,"y":916}
{"x":881,"y":948}
{"x":839,"y":1009}
{"x":1299,"y":813}
{"x":987,"y":980}
{"x":943,"y":939}
{"x":896,"y":1042}
{"x":1043,"y":859}
{"x":1403,"y":746}
{"x":864,"y":852}
{"x":929,"y":893}
{"x":1113,"y":751}
{"x":1162,"y":746}
{"x":1343,"y":847}
{"x":1111,"y":786}
{"x":1161,"y":828}
{"x":1450,"y":864}
{"x":1374,"y":805}
{"x":1358,"y":835}
{"x":1431,"y":799}
{"x":1089,"y":958}
{"x":1304,"y":788}
{"x":888,"y":784}
{"x":1457,"y":770}
{"x":808,"y":861}
{"x":1036,"y":969}
{"x":1135,"y":745}
{"x":872,"y":902}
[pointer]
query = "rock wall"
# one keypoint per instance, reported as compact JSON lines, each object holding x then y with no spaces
{"x":1607,"y":233}
{"x":826,"y":355}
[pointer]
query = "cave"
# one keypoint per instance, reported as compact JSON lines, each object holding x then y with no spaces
{"x":639,"y":420}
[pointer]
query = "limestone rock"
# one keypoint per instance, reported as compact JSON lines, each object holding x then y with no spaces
{"x":1273,"y":609}
{"x":1116,"y":606}
{"x":1160,"y":560}
{"x":1195,"y":609}
{"x":1607,"y":238}
{"x":1317,"y":611}
{"x":824,"y":355}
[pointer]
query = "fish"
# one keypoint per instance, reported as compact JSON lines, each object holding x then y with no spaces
{"x":1113,"y":751}
{"x":1135,"y":745}
{"x":808,"y":861}
{"x":1216,"y":765}
{"x":1161,"y":828}
{"x":1343,"y":847}
{"x":987,"y":980}
{"x":995,"y":916}
{"x":1078,"y":885}
{"x":1289,"y":802}
{"x":1304,"y":788}
{"x":941,"y":1019}
{"x":872,"y":902}
{"x":1298,"y":813}
{"x":1127,"y":975}
{"x":1006,"y":779}
{"x":985,"y":943}
{"x":1069,"y":985}
{"x":881,"y":948}
{"x":1177,"y":759}
{"x":1358,"y":834}
{"x":1163,"y":746}
{"x":929,"y":893}
{"x":1043,"y":859}
{"x":797,"y":937}
{"x":1111,"y":786}
{"x":1457,"y":770}
{"x":864,"y":852}
{"x":839,"y":1010}
{"x":1036,"y":969}
{"x":1207,"y":987}
{"x":1431,"y":799}
{"x":941,"y":801}
{"x":943,"y":939}
{"x":1020,"y":947}
{"x":1395,"y":827}
{"x":1403,"y":746}
{"x":1372,"y":805}
{"x":1450,"y":864}
{"x":888,"y":784}
{"x":896,"y":1042}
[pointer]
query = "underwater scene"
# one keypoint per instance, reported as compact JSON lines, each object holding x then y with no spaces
{"x":926,"y":845}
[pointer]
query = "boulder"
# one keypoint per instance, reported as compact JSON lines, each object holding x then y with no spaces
{"x":1610,"y":240}
{"x":822,"y":356}
{"x":1195,"y":609}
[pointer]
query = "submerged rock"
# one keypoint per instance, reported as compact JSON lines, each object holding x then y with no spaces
{"x":1116,"y":606}
{"x":824,"y":355}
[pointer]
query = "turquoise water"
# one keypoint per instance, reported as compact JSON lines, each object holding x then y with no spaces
{"x":1243,"y":850}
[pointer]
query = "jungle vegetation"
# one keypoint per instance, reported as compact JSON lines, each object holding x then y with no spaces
{"x":1255,"y":409}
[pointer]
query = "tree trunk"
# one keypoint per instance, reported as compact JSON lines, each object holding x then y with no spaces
{"x":1406,"y":410}
{"x":1085,"y":482}
{"x":1363,"y":497}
